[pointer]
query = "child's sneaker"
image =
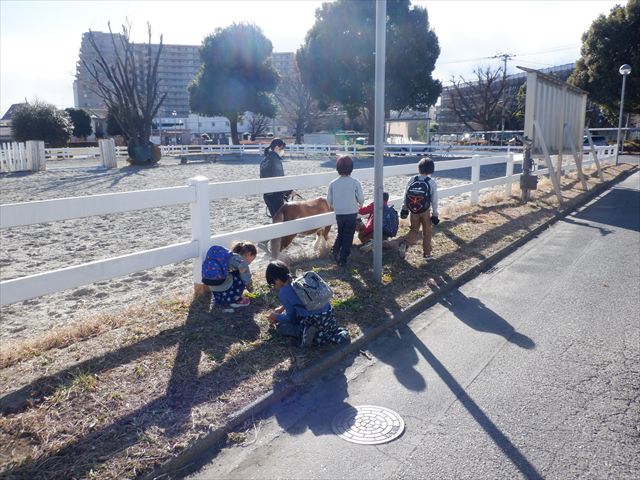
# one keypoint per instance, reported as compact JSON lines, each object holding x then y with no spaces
{"x":427,"y":256}
{"x":241,"y":302}
{"x":402,"y":249}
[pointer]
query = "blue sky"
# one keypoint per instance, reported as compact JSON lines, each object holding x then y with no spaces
{"x":39,"y":41}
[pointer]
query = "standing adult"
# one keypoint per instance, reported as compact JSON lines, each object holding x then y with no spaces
{"x":271,"y":166}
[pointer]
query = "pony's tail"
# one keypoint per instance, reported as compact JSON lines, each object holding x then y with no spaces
{"x":278,"y":217}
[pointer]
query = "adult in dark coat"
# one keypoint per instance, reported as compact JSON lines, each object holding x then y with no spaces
{"x":271,"y":166}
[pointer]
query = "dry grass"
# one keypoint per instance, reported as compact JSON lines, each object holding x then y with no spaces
{"x":112,"y":397}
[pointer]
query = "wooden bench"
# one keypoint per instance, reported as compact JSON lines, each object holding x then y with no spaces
{"x":201,"y":156}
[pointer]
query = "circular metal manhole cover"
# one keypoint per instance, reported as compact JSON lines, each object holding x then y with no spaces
{"x":368,"y":425}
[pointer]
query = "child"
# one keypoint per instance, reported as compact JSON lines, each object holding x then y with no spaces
{"x":345,"y":197}
{"x":293,"y":320}
{"x":420,"y":196}
{"x":229,"y":293}
{"x":365,"y":232}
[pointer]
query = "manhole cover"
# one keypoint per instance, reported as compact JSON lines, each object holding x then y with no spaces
{"x":368,"y":425}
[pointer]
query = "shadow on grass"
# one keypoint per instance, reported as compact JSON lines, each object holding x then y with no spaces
{"x":186,"y":389}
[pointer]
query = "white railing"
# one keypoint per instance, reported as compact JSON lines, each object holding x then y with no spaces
{"x":13,"y":157}
{"x":198,"y":194}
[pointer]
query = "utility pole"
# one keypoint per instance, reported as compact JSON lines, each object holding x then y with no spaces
{"x":505,"y":57}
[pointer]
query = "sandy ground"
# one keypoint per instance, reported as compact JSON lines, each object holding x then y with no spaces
{"x":44,"y":247}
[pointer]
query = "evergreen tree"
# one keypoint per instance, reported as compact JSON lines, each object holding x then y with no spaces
{"x":41,"y":121}
{"x":610,"y":42}
{"x":236,"y":75}
{"x":337,"y":61}
{"x":81,"y":120}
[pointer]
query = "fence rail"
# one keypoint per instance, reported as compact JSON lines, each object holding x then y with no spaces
{"x":198,"y":194}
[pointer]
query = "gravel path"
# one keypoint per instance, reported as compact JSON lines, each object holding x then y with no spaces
{"x":44,"y":247}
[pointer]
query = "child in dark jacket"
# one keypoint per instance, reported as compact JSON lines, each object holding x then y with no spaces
{"x":292,"y":319}
{"x":228,"y":295}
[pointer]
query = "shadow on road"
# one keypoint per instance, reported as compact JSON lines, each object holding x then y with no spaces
{"x":296,"y":417}
{"x":499,"y":438}
{"x":476,"y":315}
{"x":613,"y":209}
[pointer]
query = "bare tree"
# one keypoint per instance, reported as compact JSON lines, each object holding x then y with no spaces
{"x":298,"y":109}
{"x":478,"y":103}
{"x":258,"y":124}
{"x":129,"y":85}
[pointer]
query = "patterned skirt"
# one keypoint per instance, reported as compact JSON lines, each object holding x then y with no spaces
{"x":328,"y":329}
{"x":233,"y":293}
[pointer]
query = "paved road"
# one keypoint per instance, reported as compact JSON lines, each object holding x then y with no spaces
{"x":531,"y":370}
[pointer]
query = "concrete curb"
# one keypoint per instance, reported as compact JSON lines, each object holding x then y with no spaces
{"x":188,"y":457}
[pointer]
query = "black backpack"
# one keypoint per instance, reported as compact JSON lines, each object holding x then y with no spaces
{"x":418,"y":196}
{"x":390,"y":221}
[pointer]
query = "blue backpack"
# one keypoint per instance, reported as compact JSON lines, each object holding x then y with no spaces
{"x":215,"y":267}
{"x":390,"y":221}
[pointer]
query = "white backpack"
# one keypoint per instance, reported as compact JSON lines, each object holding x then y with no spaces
{"x":312,"y":290}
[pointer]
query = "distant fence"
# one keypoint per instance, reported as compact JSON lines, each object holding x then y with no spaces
{"x":14,"y":158}
{"x":198,"y":194}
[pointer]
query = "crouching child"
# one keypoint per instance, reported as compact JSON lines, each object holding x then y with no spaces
{"x":227,"y":274}
{"x":309,"y":318}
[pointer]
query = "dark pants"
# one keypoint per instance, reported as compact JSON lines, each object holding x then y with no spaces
{"x":346,"y":229}
{"x":290,"y":329}
{"x":274,"y":201}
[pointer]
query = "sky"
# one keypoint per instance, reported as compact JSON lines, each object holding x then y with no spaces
{"x":40,"y":40}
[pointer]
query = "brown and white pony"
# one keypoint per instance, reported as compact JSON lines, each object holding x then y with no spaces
{"x":301,"y":209}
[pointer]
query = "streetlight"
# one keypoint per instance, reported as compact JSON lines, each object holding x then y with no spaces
{"x":173,"y":123}
{"x":624,"y":71}
{"x":428,"y":131}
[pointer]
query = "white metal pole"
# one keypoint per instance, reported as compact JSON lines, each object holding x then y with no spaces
{"x":624,"y":79}
{"x":378,"y":177}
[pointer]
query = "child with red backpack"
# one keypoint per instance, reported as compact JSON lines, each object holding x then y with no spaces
{"x":421,"y":206}
{"x":227,"y":274}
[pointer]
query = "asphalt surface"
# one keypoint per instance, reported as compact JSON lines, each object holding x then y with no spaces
{"x":531,"y":370}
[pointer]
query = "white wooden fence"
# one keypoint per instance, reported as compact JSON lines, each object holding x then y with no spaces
{"x":13,"y":156}
{"x":198,"y":194}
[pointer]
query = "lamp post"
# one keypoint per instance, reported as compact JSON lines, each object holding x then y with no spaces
{"x":624,"y":71}
{"x":173,"y":123}
{"x":428,"y":131}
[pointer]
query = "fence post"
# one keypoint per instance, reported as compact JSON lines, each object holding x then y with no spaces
{"x":509,"y":174}
{"x":200,"y":229}
{"x":108,"y":153}
{"x":475,"y":179}
{"x":35,"y":155}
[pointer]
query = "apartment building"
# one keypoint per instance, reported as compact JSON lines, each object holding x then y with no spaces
{"x":177,"y":66}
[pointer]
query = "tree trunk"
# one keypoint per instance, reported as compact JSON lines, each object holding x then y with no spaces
{"x":371,"y":127}
{"x":299,"y":133}
{"x":233,"y":122}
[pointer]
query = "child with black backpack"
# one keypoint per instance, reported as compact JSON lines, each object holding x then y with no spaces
{"x":227,"y":274}
{"x":421,"y":206}
{"x":306,"y":311}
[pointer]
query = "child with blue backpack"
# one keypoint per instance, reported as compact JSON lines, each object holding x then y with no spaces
{"x":311,"y":320}
{"x":227,"y":274}
{"x":390,"y":223}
